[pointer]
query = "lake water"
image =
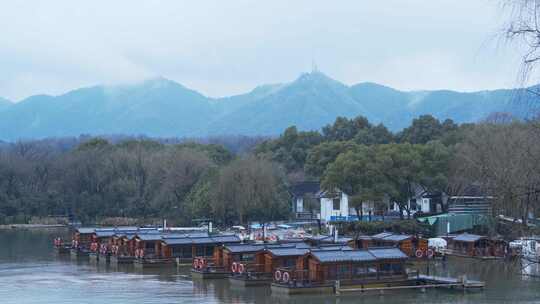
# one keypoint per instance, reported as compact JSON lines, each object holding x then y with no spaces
{"x":30,"y":273}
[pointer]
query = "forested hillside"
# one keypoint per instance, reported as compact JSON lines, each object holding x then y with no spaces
{"x":148,"y":179}
{"x":164,"y":108}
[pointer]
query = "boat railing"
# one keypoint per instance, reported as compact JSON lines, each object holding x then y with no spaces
{"x":249,"y":271}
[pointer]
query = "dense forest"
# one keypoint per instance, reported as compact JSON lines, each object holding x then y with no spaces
{"x":97,"y":178}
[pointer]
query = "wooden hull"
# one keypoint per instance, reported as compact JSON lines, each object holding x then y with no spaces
{"x":104,"y":259}
{"x":78,"y":254}
{"x":121,"y":260}
{"x":245,"y":282}
{"x":93,"y":257}
{"x":420,"y":282}
{"x":152,"y":263}
{"x":452,"y":253}
{"x":279,"y":289}
{"x":184,"y":261}
{"x":208,"y":275}
{"x":62,"y":250}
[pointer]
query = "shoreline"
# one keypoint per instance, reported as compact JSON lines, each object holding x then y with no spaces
{"x":31,"y":226}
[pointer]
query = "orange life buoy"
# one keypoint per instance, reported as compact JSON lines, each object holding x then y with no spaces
{"x":241,"y":268}
{"x":419,"y":253}
{"x":277,"y":275}
{"x":234,"y":267}
{"x":286,"y":277}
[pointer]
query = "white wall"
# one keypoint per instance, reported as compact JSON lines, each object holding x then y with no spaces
{"x":327,"y":207}
{"x":344,"y":204}
{"x":299,"y":204}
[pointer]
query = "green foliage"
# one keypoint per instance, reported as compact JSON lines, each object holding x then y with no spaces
{"x":250,"y":189}
{"x":290,"y":149}
{"x":320,"y":156}
{"x":426,"y":128}
{"x":217,"y":153}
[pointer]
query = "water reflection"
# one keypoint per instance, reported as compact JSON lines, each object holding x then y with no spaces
{"x":30,"y":273}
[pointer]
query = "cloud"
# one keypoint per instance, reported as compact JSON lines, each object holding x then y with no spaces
{"x":227,"y":47}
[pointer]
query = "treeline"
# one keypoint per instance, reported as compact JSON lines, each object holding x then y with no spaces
{"x":186,"y":182}
{"x":498,"y":158}
{"x":138,"y":179}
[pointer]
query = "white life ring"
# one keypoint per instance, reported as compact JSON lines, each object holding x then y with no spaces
{"x":241,"y":268}
{"x":234,"y":267}
{"x":286,"y":277}
{"x":419,"y":253}
{"x":430,"y":253}
{"x":277,"y":275}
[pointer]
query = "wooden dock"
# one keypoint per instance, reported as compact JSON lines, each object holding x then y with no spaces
{"x":421,"y":282}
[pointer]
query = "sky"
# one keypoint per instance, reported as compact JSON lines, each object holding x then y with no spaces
{"x":221,"y":48}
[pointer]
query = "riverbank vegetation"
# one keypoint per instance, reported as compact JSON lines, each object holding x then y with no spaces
{"x":190,"y":182}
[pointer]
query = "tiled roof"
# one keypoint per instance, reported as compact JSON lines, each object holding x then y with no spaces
{"x":178,"y":241}
{"x":288,"y":251}
{"x":105,"y":233}
{"x":343,"y":256}
{"x":226,"y":239}
{"x":86,"y":230}
{"x":244,"y":248}
{"x":466,"y":237}
{"x":331,"y":256}
{"x":201,"y":241}
{"x":150,"y":237}
{"x":329,"y":239}
{"x":388,"y":253}
{"x":397,"y":237}
{"x":190,"y":239}
{"x":381,"y":235}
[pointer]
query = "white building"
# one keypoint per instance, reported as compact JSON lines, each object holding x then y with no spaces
{"x":335,"y":206}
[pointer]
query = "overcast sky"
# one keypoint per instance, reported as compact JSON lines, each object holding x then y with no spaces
{"x":228,"y":47}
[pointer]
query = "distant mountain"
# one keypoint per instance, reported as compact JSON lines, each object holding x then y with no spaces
{"x":160,"y":107}
{"x":4,"y":103}
{"x":309,"y":102}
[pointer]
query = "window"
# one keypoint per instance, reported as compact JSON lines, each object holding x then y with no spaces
{"x":289,"y":263}
{"x":199,"y":250}
{"x":336,"y":204}
{"x":332,"y":269}
{"x":344,"y":271}
{"x":209,"y":251}
{"x":248,"y":257}
{"x":360,"y":270}
{"x":397,"y":268}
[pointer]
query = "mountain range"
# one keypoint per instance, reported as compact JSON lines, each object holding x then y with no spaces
{"x":163,"y":108}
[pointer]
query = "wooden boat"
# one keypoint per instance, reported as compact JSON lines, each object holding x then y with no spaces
{"x":411,"y":245}
{"x":253,"y":265}
{"x":184,"y":248}
{"x":322,"y":268}
{"x":80,"y":244}
{"x":147,"y":251}
{"x":60,"y":247}
{"x":480,"y":247}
